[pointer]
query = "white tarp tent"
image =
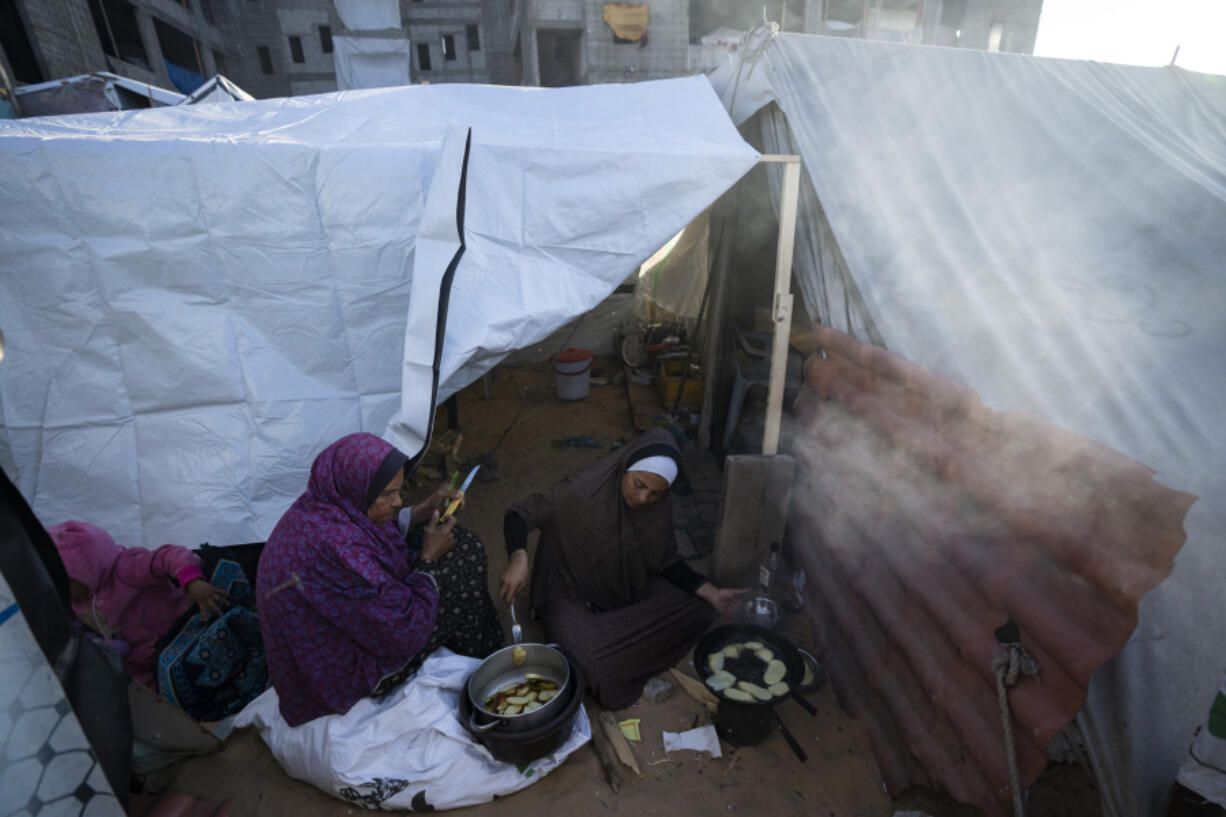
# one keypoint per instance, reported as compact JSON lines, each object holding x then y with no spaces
{"x":1051,"y":233}
{"x":196,"y":300}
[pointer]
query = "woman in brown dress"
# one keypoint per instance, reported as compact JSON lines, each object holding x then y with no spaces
{"x":608,"y":583}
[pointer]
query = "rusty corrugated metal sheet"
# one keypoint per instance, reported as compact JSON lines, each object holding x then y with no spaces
{"x":925,"y":520}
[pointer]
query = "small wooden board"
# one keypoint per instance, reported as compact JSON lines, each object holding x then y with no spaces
{"x":756,"y":496}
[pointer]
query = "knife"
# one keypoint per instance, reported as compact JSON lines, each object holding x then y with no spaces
{"x":455,"y":503}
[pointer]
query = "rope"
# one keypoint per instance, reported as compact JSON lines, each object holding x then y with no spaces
{"x":1015,"y":661}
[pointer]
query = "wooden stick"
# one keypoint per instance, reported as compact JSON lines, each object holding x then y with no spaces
{"x":605,"y":753}
{"x":620,"y":745}
{"x":697,"y":690}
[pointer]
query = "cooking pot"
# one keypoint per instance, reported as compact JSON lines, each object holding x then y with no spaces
{"x":748,"y":722}
{"x":526,"y":745}
{"x":499,"y":671}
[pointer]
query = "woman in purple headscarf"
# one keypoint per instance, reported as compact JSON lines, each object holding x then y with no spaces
{"x":348,"y":607}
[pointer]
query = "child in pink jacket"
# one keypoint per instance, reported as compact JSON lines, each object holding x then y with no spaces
{"x":126,"y":594}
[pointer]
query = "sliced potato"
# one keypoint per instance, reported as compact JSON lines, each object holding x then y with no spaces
{"x":546,"y":695}
{"x":765,"y":654}
{"x":738,"y":695}
{"x":775,"y":670}
{"x":512,"y":709}
{"x":753,"y":645}
{"x":778,"y":690}
{"x":518,"y":656}
{"x":721,"y":680}
{"x":755,"y":690}
{"x":732,"y":650}
{"x":519,"y":700}
{"x":535,"y":705}
{"x":715,"y":661}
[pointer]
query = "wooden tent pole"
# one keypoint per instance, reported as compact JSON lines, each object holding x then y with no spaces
{"x":781,"y":311}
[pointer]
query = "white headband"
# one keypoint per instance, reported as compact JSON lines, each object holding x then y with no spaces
{"x":661,"y":466}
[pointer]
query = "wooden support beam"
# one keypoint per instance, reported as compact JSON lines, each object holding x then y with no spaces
{"x":753,"y":513}
{"x":781,"y":306}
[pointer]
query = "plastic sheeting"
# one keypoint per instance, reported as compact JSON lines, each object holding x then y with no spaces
{"x":368,"y":15}
{"x":217,"y":89}
{"x":371,"y":62}
{"x":197,"y":300}
{"x":1050,"y":233}
{"x":407,"y":751}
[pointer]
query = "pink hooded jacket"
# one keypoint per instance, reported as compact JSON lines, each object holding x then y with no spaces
{"x":131,"y":596}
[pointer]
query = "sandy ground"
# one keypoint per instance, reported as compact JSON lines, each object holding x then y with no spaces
{"x":839,"y":778}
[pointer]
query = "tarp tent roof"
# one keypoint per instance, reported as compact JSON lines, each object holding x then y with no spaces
{"x":217,"y":89}
{"x":196,"y":300}
{"x":88,"y":93}
{"x":1050,"y":233}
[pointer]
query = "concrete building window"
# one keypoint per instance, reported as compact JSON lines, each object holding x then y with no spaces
{"x":181,"y":53}
{"x":265,"y":58}
{"x":118,"y":31}
{"x":474,"y":37}
{"x":423,"y":56}
{"x":558,"y":55}
{"x":325,"y":39}
{"x":295,"y":49}
{"x":448,"y":47}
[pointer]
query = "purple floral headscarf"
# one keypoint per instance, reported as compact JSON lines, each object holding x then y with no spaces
{"x":340,"y":605}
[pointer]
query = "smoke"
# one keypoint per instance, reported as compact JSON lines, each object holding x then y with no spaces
{"x":925,"y":520}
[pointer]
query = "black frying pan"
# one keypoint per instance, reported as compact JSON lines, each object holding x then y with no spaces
{"x":783,"y":649}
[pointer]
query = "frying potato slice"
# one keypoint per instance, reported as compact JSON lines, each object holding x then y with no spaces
{"x":775,"y":670}
{"x":520,"y":700}
{"x":546,"y":695}
{"x":715,"y":661}
{"x":535,"y":705}
{"x":753,"y":645}
{"x":755,"y":690}
{"x":765,"y":654}
{"x":512,"y":709}
{"x":738,"y":695}
{"x":778,"y":690}
{"x":721,"y":680}
{"x":732,"y":650}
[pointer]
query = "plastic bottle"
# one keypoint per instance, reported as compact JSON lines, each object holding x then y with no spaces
{"x":770,"y":573}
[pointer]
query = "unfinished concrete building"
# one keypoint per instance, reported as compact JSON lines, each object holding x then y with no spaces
{"x":171,"y":43}
{"x":582,"y":42}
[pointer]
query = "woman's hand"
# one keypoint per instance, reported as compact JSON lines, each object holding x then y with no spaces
{"x":211,"y":600}
{"x":724,"y":599}
{"x":437,"y":538}
{"x":437,"y":501}
{"x":515,"y":577}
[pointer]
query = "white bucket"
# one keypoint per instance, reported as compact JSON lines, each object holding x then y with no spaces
{"x":573,"y":373}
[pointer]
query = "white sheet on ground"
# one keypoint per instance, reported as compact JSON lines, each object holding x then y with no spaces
{"x":197,"y":300}
{"x":405,"y":751}
{"x":371,"y":62}
{"x":1051,"y":233}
